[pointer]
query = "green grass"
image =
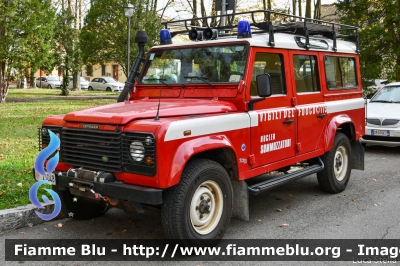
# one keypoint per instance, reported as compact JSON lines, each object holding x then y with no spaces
{"x":46,"y":93}
{"x":19,"y":122}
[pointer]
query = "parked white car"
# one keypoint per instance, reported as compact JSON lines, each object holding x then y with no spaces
{"x":383,"y":117}
{"x":105,"y":84}
{"x":48,"y":82}
{"x":84,"y":83}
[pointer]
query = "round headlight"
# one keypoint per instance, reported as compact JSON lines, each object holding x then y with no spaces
{"x":136,"y":150}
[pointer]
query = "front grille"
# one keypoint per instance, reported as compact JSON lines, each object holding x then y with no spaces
{"x":381,"y":138}
{"x":91,"y":149}
{"x":374,"y":121}
{"x":390,"y":122}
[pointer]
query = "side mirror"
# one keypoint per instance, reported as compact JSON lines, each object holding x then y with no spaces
{"x":264,"y":85}
{"x":104,"y":82}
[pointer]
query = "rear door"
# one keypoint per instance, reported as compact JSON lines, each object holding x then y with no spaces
{"x":311,"y":110}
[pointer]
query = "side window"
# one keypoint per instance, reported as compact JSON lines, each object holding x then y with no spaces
{"x":340,"y":72}
{"x":306,"y":73}
{"x":273,"y":65}
{"x":95,"y":80}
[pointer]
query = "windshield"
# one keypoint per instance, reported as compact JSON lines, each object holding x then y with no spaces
{"x":52,"y":79}
{"x":198,"y":64}
{"x":388,"y":94}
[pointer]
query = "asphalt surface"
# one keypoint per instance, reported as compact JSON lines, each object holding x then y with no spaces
{"x":368,"y":209}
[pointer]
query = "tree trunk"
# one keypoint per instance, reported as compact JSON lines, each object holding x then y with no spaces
{"x":299,"y":7}
{"x":317,"y":10}
{"x":3,"y":84}
{"x":308,"y":9}
{"x":294,"y":7}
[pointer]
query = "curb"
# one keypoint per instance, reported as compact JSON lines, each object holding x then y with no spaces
{"x":22,"y":216}
{"x":60,"y":98}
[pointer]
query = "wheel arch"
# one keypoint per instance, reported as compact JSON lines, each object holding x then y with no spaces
{"x":340,"y":123}
{"x":218,"y":149}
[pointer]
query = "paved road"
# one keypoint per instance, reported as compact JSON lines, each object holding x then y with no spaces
{"x":368,"y":209}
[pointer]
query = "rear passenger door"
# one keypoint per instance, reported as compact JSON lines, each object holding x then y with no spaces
{"x":308,"y":99}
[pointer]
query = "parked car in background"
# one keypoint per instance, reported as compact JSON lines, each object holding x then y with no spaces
{"x":371,"y":86}
{"x":383,"y":117}
{"x":105,"y":84}
{"x":84,"y":83}
{"x":48,"y":82}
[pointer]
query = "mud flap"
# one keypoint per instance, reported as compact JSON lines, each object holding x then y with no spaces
{"x":240,"y":200}
{"x":357,"y":155}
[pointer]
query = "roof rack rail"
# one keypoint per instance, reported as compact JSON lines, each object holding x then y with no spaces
{"x":261,"y":22}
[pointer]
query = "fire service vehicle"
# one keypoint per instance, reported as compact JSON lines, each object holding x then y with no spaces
{"x":261,"y":94}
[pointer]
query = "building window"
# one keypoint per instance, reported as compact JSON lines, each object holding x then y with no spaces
{"x":89,"y":70}
{"x":103,"y":70}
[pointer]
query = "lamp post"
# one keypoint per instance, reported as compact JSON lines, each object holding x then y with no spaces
{"x":128,"y":10}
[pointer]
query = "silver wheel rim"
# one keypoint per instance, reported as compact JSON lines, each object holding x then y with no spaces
{"x":206,"y":207}
{"x":340,"y":163}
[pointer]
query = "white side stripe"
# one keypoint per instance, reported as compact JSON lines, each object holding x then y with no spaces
{"x":344,"y":105}
{"x":207,"y":125}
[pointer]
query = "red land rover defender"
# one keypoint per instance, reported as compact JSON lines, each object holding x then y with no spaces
{"x":203,"y":117}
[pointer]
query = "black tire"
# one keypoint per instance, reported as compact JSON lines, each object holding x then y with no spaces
{"x":49,"y":86}
{"x":81,"y":209}
{"x":337,"y":170}
{"x":188,"y":211}
{"x":90,"y":88}
{"x":108,"y":89}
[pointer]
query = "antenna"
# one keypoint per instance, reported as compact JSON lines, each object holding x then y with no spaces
{"x":158,"y":108}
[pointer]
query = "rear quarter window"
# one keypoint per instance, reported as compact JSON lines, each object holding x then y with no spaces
{"x":340,"y":72}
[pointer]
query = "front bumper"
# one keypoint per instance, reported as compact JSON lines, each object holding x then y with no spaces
{"x":118,"y":189}
{"x":391,"y":137}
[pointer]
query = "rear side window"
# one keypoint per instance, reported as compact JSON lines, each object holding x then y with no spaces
{"x":306,"y":73}
{"x":340,"y":72}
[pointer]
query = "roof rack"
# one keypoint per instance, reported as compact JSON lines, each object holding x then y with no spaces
{"x":261,"y":22}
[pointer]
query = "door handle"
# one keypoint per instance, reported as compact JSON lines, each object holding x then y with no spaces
{"x":288,"y":121}
{"x":321,"y":115}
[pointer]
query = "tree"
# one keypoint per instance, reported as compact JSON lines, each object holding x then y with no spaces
{"x":379,"y":24}
{"x":104,"y":35}
{"x":26,"y":34}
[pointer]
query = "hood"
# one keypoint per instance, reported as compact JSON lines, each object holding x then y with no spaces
{"x":383,"y":110}
{"x":124,"y":112}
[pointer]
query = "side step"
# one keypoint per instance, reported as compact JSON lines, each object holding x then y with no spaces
{"x":282,"y":179}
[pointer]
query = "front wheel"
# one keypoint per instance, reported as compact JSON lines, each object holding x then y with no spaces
{"x":337,"y":170}
{"x":49,"y":87}
{"x":108,"y":89}
{"x":78,"y":207}
{"x":199,"y":208}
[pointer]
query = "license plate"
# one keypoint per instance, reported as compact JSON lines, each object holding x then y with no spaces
{"x":49,"y":177}
{"x":380,"y":132}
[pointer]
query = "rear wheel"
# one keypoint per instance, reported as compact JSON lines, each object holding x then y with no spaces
{"x":90,"y":88}
{"x":199,"y":208}
{"x":78,"y":207}
{"x":337,"y":170}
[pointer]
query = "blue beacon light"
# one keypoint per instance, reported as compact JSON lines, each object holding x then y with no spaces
{"x":244,"y":30}
{"x":165,"y":37}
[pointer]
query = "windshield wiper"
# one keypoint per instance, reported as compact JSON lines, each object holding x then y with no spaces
{"x":201,"y":78}
{"x":162,"y":81}
{"x":380,"y":101}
